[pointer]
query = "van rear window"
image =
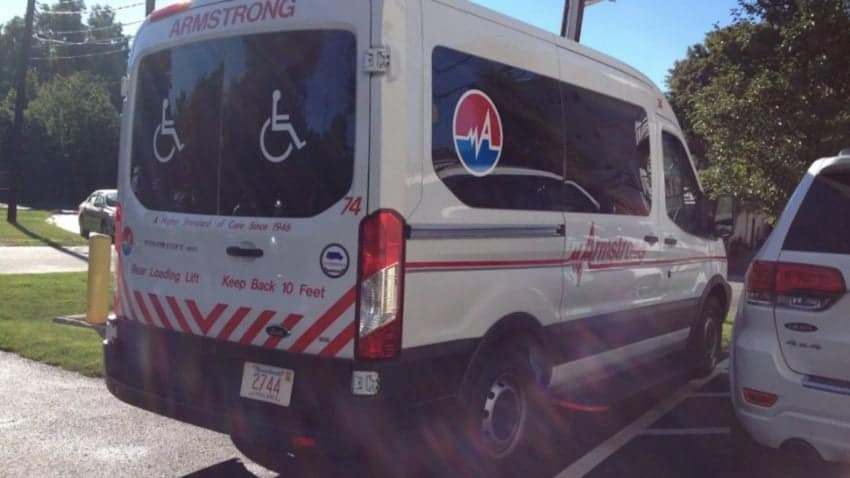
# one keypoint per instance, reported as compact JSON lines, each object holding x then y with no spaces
{"x":259,"y":126}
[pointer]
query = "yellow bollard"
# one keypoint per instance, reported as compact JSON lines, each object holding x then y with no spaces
{"x":100,"y":257}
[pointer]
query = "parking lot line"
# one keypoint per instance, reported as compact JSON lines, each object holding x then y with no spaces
{"x":686,"y":431}
{"x":595,"y":457}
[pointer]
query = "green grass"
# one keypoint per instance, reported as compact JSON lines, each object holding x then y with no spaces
{"x":33,"y":230}
{"x":29,"y":303}
{"x":727,"y":331}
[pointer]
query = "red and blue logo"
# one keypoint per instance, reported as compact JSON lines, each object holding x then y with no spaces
{"x":478,"y":133}
{"x":127,"y":241}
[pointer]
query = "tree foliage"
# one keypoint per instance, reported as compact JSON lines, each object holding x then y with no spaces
{"x":74,"y":85}
{"x":764,"y":97}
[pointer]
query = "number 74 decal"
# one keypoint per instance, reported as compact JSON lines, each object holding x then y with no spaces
{"x":353,"y":205}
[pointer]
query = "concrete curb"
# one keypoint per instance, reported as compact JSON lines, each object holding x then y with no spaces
{"x":80,"y":321}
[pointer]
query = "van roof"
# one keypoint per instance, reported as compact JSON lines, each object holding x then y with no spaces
{"x":550,"y":37}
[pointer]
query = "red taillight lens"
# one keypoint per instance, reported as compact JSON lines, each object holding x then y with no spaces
{"x":168,"y":11}
{"x":119,"y":220}
{"x":761,"y":282}
{"x":759,"y":398}
{"x":800,"y":286}
{"x":792,"y":278}
{"x":381,"y":285}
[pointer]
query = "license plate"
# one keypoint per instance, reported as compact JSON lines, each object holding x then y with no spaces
{"x":267,"y":384}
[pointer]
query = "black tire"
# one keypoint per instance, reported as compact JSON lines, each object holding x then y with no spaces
{"x":84,"y":233}
{"x":504,"y":411}
{"x":705,"y":339}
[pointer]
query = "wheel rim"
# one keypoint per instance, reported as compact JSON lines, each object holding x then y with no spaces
{"x":503,"y":413}
{"x":711,"y":336}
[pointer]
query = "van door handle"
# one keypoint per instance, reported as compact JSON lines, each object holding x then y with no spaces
{"x":652,"y":240}
{"x":671,"y":241}
{"x":244,"y":252}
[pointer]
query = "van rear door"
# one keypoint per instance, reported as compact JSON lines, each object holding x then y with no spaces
{"x":247,"y":177}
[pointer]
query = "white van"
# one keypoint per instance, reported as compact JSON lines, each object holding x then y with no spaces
{"x":337,"y":214}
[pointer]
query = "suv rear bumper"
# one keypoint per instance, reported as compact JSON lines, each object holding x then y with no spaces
{"x":197,"y":380}
{"x":820,"y":418}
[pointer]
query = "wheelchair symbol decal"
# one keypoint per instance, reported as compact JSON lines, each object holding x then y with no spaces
{"x":280,"y":123}
{"x":166,"y":128}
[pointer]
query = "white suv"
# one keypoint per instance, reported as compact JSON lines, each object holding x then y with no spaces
{"x":791,"y":344}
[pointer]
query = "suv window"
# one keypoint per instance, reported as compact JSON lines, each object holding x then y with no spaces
{"x":680,"y":186}
{"x":260,"y":126}
{"x":98,"y":201}
{"x":818,"y":227}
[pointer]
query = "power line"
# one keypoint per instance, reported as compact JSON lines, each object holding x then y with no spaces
{"x":84,"y":10}
{"x":72,"y":57}
{"x":98,"y":29}
{"x":100,"y":41}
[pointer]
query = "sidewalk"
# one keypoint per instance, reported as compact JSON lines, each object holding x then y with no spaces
{"x":42,"y":260}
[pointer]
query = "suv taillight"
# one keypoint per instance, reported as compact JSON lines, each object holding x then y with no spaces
{"x":381,"y":285}
{"x":798,"y":286}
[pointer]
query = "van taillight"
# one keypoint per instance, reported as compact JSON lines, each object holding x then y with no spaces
{"x":119,"y":219}
{"x":381,"y":285}
{"x":798,"y":286}
{"x":168,"y":11}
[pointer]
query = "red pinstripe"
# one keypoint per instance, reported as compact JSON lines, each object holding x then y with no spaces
{"x":160,"y":312}
{"x":256,"y":327}
{"x":339,"y":342}
{"x":551,"y":262}
{"x":324,"y":321}
{"x":142,"y":307}
{"x":288,"y":324}
{"x":233,"y":323}
{"x":205,"y":323}
{"x":181,"y":319}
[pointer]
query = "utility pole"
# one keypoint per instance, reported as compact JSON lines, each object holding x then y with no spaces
{"x":574,"y":18}
{"x":15,"y":139}
{"x":150,"y":5}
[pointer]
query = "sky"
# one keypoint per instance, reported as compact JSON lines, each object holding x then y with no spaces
{"x":649,"y":35}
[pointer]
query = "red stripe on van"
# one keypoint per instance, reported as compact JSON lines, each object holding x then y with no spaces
{"x":142,"y":307}
{"x":160,"y":312}
{"x":484,"y":264}
{"x":339,"y":342}
{"x":233,"y":323}
{"x":205,"y":323}
{"x":257,"y":326}
{"x":127,"y":301}
{"x":288,"y":324}
{"x":325,"y":321}
{"x":181,"y":319}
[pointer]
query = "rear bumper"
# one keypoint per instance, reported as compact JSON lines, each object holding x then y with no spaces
{"x":821,"y":418}
{"x":197,"y":380}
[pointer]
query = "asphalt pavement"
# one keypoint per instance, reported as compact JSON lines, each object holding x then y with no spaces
{"x":58,"y":423}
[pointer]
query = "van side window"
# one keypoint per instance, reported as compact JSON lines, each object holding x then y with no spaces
{"x":608,"y":151}
{"x":681,"y":186}
{"x":529,"y":174}
{"x":564,"y":148}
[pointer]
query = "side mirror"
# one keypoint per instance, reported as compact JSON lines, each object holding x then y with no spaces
{"x":725,"y":214}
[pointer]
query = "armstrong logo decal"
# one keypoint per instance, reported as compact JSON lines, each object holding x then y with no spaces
{"x":477,"y":133}
{"x":598,"y":254}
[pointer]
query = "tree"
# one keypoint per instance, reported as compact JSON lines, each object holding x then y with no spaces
{"x":764,"y":97}
{"x":76,"y":115}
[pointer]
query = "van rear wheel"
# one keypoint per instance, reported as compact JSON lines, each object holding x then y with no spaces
{"x":705,"y":339}
{"x":503,"y":407}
